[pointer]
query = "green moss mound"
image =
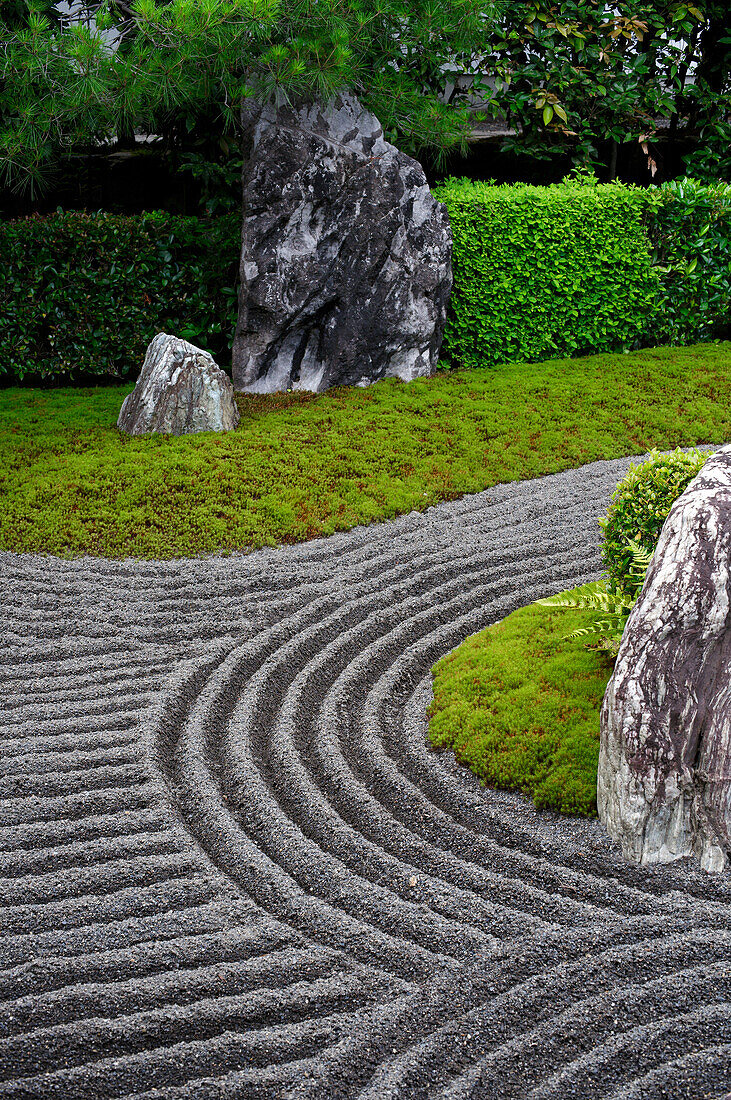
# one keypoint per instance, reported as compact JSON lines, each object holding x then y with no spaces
{"x":519,"y":705}
{"x":299,"y":465}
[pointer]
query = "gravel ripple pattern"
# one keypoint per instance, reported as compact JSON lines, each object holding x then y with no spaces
{"x":231,"y":867}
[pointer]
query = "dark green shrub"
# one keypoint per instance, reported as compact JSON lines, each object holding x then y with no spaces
{"x":82,"y":295}
{"x":691,"y":234}
{"x":547,"y":271}
{"x":640,"y":505}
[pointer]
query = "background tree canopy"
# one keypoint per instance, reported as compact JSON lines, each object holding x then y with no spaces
{"x":179,"y":65}
{"x":590,"y":81}
{"x":576,"y":73}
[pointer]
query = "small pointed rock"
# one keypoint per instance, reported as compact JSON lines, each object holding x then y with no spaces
{"x":180,"y":390}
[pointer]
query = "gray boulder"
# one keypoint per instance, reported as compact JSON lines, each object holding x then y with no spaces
{"x":180,"y":389}
{"x":664,"y":783}
{"x":346,"y":256}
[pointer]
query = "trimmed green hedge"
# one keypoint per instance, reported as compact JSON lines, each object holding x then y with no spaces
{"x":539,"y":272}
{"x":82,"y":295}
{"x":691,"y":235}
{"x":547,"y":271}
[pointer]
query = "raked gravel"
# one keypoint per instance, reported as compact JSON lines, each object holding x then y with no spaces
{"x":233,"y":868}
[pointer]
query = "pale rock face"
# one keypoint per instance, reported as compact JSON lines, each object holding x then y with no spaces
{"x":664,"y":781}
{"x":346,"y":256}
{"x":180,"y":390}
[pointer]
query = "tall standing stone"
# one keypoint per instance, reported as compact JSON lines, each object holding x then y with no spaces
{"x":346,"y":258}
{"x":664,"y":782}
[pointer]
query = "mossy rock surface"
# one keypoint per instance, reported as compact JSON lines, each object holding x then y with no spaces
{"x":519,"y":705}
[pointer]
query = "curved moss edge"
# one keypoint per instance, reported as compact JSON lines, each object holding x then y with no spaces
{"x":519,"y":705}
{"x":300,"y":466}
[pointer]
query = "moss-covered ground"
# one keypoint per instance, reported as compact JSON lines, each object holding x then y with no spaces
{"x":301,"y":465}
{"x":519,"y":705}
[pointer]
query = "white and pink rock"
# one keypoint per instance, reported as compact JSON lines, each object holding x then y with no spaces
{"x":664,"y":782}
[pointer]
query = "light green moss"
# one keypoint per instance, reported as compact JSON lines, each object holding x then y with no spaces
{"x":519,"y":705}
{"x":301,"y":465}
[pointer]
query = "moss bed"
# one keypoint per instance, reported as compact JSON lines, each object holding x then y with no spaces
{"x":519,"y":705}
{"x":302,"y":465}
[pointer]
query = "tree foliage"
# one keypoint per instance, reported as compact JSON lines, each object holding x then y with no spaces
{"x":192,"y":59}
{"x":15,"y":13}
{"x":584,"y":77}
{"x":570,"y":76}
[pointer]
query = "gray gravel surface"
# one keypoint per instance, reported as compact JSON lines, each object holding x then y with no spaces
{"x":232,"y":868}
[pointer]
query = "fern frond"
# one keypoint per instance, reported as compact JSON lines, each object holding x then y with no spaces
{"x":601,"y":626}
{"x":590,"y":597}
{"x":641,"y":558}
{"x":585,"y":596}
{"x":613,"y":606}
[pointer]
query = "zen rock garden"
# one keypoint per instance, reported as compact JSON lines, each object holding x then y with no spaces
{"x":345,"y":279}
{"x":365,"y":725}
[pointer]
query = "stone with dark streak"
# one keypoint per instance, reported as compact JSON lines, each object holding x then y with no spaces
{"x":346,"y":256}
{"x":664,"y":783}
{"x":180,"y":389}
